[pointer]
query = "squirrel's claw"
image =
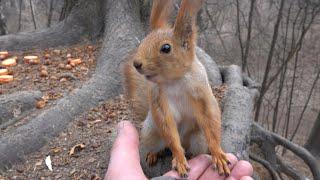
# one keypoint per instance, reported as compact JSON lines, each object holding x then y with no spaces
{"x":220,"y":163}
{"x":181,"y":167}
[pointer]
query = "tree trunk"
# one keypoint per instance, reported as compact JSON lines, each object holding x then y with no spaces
{"x":3,"y":27}
{"x":50,"y":13}
{"x":32,"y":15}
{"x":313,"y":144}
{"x":20,"y":12}
{"x":66,"y":9}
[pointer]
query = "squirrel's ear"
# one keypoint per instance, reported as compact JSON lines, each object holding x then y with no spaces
{"x":185,"y":25}
{"x":161,"y":10}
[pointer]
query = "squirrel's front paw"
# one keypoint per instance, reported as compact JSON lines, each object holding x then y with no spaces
{"x":152,"y":158}
{"x":220,"y":162}
{"x":181,"y":167}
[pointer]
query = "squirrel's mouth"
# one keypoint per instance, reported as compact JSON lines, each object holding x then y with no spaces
{"x":150,"y":77}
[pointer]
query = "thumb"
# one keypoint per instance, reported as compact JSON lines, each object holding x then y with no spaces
{"x":124,"y":159}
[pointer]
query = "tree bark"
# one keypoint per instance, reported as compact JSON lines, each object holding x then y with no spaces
{"x":16,"y":104}
{"x":313,"y":144}
{"x":3,"y":27}
{"x":50,"y":13}
{"x":66,"y":9}
{"x":20,"y":12}
{"x":32,"y":15}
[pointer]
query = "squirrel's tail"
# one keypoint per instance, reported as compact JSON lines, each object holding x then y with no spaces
{"x":137,"y":90}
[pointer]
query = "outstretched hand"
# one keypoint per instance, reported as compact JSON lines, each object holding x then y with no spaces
{"x":125,"y":161}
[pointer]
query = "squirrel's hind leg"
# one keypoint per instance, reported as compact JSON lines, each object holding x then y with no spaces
{"x":152,"y":143}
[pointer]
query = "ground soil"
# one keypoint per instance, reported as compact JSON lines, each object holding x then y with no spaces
{"x":95,"y":130}
{"x":60,"y":80}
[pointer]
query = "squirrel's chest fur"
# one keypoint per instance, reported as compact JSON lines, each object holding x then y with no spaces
{"x":180,"y":92}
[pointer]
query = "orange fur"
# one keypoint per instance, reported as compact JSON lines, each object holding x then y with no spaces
{"x":161,"y":10}
{"x":171,"y":93}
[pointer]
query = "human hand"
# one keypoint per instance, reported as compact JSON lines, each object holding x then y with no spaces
{"x":125,"y":161}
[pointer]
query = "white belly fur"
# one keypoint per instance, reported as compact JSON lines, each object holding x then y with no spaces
{"x":179,"y":104}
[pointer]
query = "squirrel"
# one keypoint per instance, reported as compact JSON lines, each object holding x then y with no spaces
{"x":169,"y":89}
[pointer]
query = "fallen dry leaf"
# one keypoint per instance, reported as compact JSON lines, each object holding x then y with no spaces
{"x":4,"y":54}
{"x":44,"y":73}
{"x":47,"y":56}
{"x":63,"y":80}
{"x":95,"y":177}
{"x":111,"y":115}
{"x":76,"y":148}
{"x":49,"y":163}
{"x":96,"y":121}
{"x":61,"y":66}
{"x":39,"y":163}
{"x":40,"y":104}
{"x":44,"y":68}
{"x":57,"y":51}
{"x":56,"y":150}
{"x":68,"y":67}
{"x":45,"y":98}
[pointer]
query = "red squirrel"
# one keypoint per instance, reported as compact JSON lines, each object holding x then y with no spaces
{"x":170,"y":90}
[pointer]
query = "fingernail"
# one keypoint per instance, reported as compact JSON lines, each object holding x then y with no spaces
{"x":120,"y":127}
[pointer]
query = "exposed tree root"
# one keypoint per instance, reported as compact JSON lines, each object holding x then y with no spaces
{"x":15,"y":105}
{"x":267,"y":141}
{"x":238,"y":106}
{"x":267,"y":165}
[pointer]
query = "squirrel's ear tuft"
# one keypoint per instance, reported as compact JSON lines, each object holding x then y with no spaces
{"x":161,"y":10}
{"x":185,"y":25}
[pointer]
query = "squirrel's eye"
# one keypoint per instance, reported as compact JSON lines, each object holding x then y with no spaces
{"x":166,"y":48}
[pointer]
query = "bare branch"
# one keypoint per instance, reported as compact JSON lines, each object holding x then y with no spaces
{"x":268,"y":140}
{"x":247,"y":47}
{"x":267,"y":165}
{"x":305,"y":105}
{"x":269,"y":60}
{"x":32,"y":15}
{"x":289,"y":171}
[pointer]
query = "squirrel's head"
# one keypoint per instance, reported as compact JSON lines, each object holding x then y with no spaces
{"x":167,"y":52}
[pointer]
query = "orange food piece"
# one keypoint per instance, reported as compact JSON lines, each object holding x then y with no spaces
{"x":9,"y":62}
{"x":4,"y":54}
{"x":4,"y":72}
{"x":31,"y":59}
{"x":74,"y":62}
{"x":5,"y":79}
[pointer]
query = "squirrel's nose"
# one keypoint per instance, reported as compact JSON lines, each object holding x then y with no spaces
{"x":137,"y":65}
